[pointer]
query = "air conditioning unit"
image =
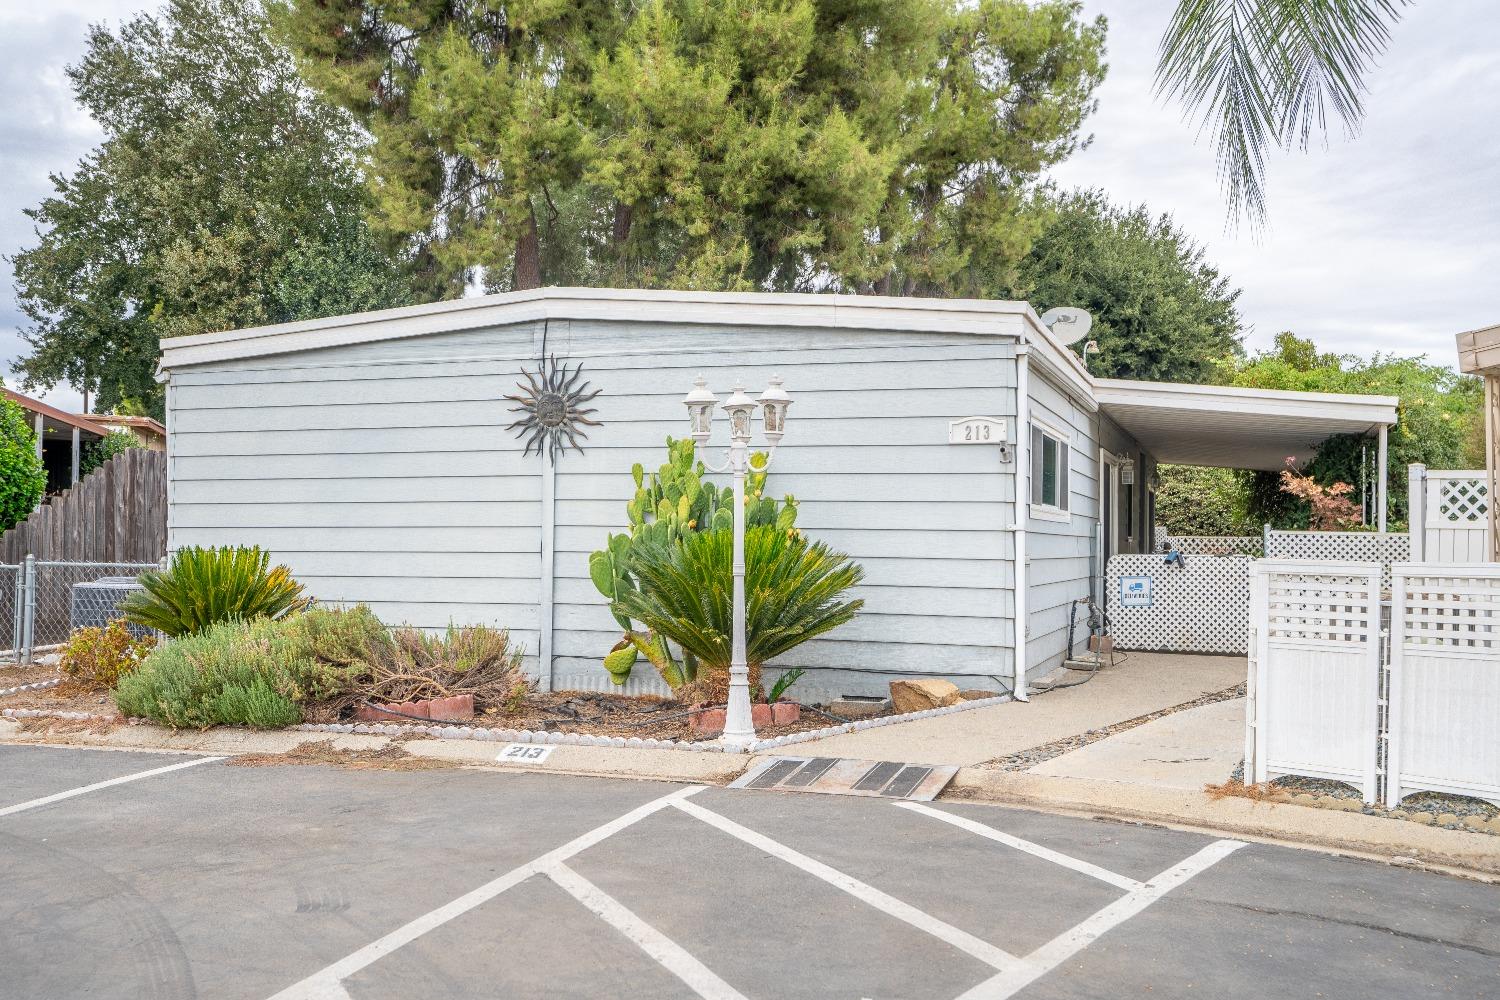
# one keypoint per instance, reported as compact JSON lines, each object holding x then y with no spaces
{"x":96,"y":603}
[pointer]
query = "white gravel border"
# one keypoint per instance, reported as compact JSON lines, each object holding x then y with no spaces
{"x":48,"y":713}
{"x":451,"y":732}
{"x":33,"y":686}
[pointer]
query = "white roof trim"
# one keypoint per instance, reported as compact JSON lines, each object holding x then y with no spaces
{"x":1233,"y":427}
{"x":867,"y":312}
{"x":1340,"y":407}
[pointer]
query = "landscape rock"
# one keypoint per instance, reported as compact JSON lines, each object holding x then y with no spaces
{"x":923,"y":695}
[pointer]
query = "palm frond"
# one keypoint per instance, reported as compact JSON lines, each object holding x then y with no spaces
{"x":1263,"y":73}
{"x":793,"y":592}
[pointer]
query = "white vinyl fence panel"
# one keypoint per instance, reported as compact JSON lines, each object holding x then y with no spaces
{"x":1315,"y":671}
{"x":1450,"y":515}
{"x":1445,"y":682}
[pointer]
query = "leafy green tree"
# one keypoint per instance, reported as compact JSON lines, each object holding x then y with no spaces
{"x":1263,"y":73}
{"x":101,"y":451}
{"x":1437,"y":420}
{"x":1161,"y":312}
{"x":780,"y":144}
{"x":23,"y":479}
{"x":1193,"y":500}
{"x":221,"y":197}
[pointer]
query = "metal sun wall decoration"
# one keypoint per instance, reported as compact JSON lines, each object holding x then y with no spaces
{"x":551,"y":404}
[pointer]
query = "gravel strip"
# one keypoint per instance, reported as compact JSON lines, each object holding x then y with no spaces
{"x":1452,"y":812}
{"x":1023,"y":760}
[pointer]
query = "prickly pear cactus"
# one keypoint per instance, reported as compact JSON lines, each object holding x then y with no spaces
{"x":669,"y":504}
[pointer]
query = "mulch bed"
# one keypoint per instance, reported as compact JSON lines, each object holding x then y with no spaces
{"x":595,"y":713}
{"x":1024,"y":760}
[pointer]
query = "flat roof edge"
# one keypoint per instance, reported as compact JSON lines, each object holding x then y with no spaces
{"x":1127,"y":392}
{"x":967,"y":316}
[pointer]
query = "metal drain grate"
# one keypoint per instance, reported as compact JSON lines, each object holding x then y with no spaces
{"x":842,"y":776}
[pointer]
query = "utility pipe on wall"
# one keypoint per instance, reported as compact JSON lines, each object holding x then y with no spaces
{"x":1023,"y":512}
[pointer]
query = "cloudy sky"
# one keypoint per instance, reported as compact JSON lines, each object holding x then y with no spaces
{"x":1389,"y":242}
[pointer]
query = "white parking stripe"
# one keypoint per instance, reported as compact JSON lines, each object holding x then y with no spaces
{"x":73,"y":792}
{"x":1035,"y":850}
{"x":962,"y":940}
{"x":658,"y":946}
{"x":326,"y":984}
{"x":1069,"y":943}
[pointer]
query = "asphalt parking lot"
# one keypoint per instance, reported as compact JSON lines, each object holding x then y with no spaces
{"x":137,"y":875}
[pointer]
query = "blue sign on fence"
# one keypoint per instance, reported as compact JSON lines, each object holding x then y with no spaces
{"x":1135,"y":592}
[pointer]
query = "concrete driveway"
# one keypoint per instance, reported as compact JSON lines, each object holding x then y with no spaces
{"x":166,"y":876}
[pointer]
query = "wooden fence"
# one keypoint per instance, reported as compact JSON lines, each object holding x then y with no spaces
{"x":117,"y":513}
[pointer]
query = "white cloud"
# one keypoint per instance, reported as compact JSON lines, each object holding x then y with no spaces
{"x":1389,"y":242}
{"x":1386,"y":242}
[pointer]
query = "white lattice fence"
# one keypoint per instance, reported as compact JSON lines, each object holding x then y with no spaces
{"x":1202,"y":606}
{"x":1445,"y":681}
{"x":1218,"y":545}
{"x":1341,"y":547}
{"x":1315,"y":671}
{"x":1450,"y":515}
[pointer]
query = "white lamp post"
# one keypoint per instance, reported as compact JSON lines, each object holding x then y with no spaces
{"x":739,"y":728}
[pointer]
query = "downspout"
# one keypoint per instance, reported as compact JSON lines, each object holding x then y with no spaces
{"x":1022,"y":507}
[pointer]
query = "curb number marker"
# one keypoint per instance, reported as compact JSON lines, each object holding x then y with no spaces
{"x":525,"y":753}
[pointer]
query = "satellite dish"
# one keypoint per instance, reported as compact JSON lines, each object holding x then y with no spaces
{"x":1068,"y":323}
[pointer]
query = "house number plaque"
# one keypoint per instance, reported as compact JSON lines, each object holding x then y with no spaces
{"x":978,"y":430}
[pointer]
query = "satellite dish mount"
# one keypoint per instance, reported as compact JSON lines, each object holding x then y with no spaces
{"x":1068,"y":324}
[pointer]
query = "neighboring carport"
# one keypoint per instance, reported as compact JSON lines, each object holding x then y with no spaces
{"x":1479,"y":354}
{"x":1236,"y":428}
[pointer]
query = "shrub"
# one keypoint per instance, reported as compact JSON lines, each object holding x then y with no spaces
{"x":23,"y":479}
{"x":98,"y":657}
{"x":274,"y":672}
{"x":671,"y":504}
{"x":205,"y":586}
{"x":255,"y":673}
{"x":792,"y":594}
{"x":114,"y":443}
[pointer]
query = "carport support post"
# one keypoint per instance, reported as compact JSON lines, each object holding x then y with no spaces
{"x":74,"y":477}
{"x":1380,"y":485}
{"x":40,"y":426}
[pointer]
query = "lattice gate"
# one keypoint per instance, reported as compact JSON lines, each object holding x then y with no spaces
{"x":1315,"y":672}
{"x":1445,"y":681}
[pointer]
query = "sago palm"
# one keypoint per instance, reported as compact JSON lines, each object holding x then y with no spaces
{"x":1261,"y":73}
{"x":793,"y":593}
{"x":203,"y":586}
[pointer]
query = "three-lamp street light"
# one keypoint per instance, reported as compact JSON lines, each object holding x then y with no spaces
{"x":739,"y":726}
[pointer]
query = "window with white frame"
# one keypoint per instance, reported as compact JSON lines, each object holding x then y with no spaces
{"x":1050,"y":454}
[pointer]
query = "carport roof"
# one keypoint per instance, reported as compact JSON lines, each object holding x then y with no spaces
{"x":1236,"y":428}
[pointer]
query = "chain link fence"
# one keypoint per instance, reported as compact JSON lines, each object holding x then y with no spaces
{"x":42,"y":602}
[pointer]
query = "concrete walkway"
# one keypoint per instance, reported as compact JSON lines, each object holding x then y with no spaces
{"x":1139,"y":684}
{"x":1188,"y":749}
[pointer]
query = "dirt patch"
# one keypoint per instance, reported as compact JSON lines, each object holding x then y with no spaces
{"x":596,"y":713}
{"x":1024,"y":760}
{"x":68,"y":727}
{"x":391,"y":757}
{"x":12,"y":675}
{"x":66,"y":697}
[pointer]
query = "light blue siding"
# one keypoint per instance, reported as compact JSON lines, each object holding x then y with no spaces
{"x":383,"y":473}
